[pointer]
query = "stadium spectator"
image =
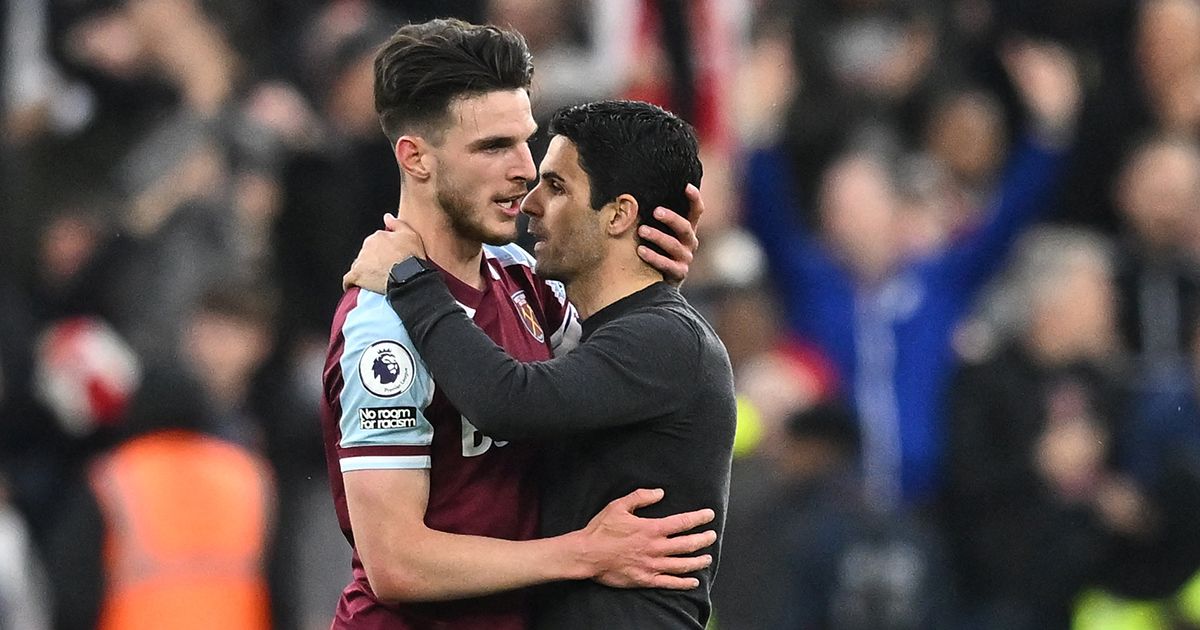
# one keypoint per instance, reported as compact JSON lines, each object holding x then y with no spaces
{"x":886,"y":319}
{"x":1159,"y":196}
{"x":860,"y":64}
{"x":807,"y":551}
{"x":1041,"y":428}
{"x":168,"y":524}
{"x":225,"y":342}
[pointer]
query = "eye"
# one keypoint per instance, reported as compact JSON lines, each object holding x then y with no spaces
{"x":557,"y":188}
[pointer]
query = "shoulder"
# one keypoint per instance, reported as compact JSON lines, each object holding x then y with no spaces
{"x":670,"y":328}
{"x":378,"y":354}
{"x":509,"y":255}
{"x":377,"y":389}
{"x":360,"y":309}
{"x":514,"y":260}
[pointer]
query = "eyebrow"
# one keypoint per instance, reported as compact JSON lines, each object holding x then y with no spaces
{"x":493,"y":142}
{"x":497,"y":142}
{"x":551,"y":175}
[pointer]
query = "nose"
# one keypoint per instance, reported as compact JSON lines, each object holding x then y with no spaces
{"x":530,"y":204}
{"x":524,"y":170}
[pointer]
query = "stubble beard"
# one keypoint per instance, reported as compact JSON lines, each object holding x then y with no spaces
{"x":574,"y":257}
{"x":466,"y":221}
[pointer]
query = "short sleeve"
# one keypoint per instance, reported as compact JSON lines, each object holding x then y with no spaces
{"x":386,"y":391}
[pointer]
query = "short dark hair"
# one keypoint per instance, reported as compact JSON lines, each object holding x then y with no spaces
{"x":423,"y":67}
{"x":636,"y":148}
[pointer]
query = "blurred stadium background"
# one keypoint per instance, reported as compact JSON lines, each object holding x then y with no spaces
{"x":953,"y":247}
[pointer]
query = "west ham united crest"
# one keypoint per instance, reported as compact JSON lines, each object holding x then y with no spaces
{"x":386,"y":369}
{"x":528,"y":317}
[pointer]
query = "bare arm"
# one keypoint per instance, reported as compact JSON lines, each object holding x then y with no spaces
{"x":407,"y":561}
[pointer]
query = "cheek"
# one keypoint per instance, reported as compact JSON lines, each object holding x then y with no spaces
{"x":568,"y":222}
{"x":462,"y":176}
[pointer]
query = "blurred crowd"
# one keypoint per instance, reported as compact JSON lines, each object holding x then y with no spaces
{"x":952,"y":246}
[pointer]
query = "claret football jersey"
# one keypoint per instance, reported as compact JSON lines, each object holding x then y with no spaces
{"x":382,"y":410}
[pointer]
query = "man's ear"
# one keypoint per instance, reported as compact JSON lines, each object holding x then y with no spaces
{"x":624,"y":217}
{"x":413,"y":156}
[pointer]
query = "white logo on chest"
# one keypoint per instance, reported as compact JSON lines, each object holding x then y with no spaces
{"x":475,"y":443}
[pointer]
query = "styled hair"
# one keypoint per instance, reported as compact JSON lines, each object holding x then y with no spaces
{"x":635,"y":148}
{"x":422,"y":68}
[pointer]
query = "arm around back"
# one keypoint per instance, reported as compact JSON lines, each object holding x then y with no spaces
{"x":630,"y":369}
{"x":406,"y":561}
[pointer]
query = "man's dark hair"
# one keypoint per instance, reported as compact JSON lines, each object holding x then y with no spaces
{"x":424,"y":67}
{"x":635,"y":148}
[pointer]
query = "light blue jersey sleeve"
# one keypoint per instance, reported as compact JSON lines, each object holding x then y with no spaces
{"x":385,"y":393}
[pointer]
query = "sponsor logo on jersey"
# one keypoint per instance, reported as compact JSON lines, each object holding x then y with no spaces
{"x":386,"y":369}
{"x":528,"y":317}
{"x":387,"y":418}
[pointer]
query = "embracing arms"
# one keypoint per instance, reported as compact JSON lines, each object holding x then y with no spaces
{"x":407,"y":561}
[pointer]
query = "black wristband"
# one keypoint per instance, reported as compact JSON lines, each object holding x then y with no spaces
{"x":408,"y":269}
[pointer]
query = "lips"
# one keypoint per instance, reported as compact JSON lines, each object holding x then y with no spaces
{"x":511,"y":205}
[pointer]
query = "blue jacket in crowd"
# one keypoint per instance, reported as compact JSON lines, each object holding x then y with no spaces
{"x":891,"y":340}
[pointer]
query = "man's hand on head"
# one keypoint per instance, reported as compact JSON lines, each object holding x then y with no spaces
{"x":680,"y":250}
{"x":627,"y":551}
{"x":379,"y":252}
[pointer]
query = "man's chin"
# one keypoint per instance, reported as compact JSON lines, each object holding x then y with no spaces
{"x":549,"y":272}
{"x":501,"y":236}
{"x":498,"y":240}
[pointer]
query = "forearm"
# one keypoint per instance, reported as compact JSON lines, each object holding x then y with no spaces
{"x":507,"y":399}
{"x":487,"y":385}
{"x":438,"y":566}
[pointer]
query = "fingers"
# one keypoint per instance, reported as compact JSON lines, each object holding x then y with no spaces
{"x":680,"y":566}
{"x":390,"y":222}
{"x":678,"y":523}
{"x":694,"y":198}
{"x":679,"y":244}
{"x":352,"y":277}
{"x":677,"y":224}
{"x":673,"y":272}
{"x":690,"y":543}
{"x":674,"y":247}
{"x":638,"y":499}
{"x":684,"y":231}
{"x":668,"y":267}
{"x":674,"y":583}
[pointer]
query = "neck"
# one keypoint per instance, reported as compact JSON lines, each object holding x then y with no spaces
{"x":608,"y":282}
{"x":458,"y":256}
